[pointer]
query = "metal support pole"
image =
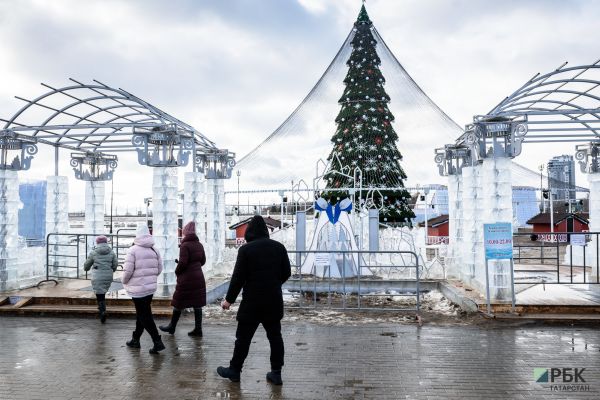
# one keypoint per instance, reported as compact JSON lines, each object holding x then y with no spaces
{"x":512,"y":284}
{"x":56,"y":160}
{"x":487,"y":288}
{"x":551,"y":213}
{"x":238,"y":173}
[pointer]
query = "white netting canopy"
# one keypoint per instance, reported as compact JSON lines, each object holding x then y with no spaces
{"x":292,"y":151}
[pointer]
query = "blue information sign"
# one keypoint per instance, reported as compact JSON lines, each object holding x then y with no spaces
{"x":498,"y":241}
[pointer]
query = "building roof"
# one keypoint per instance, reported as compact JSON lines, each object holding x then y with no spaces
{"x":544,"y":218}
{"x":271,"y":223}
{"x":436,"y":221}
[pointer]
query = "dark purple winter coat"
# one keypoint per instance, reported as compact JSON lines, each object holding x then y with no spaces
{"x":191,"y":287}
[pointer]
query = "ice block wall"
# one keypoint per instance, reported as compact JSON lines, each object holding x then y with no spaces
{"x":164,"y":222}
{"x":469,"y":206}
{"x":215,"y":219}
{"x":94,"y":209}
{"x":9,"y":228}
{"x":498,"y":207}
{"x":455,"y":221}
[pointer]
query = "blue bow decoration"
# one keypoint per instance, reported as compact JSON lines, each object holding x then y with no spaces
{"x":333,"y":211}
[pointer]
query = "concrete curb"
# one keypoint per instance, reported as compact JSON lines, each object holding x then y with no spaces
{"x":456,"y":297}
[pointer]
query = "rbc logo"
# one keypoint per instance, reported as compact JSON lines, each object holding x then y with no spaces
{"x":565,"y":375}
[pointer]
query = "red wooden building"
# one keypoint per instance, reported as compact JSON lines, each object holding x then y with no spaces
{"x":240,"y":227}
{"x":437,"y":226}
{"x":563,"y":222}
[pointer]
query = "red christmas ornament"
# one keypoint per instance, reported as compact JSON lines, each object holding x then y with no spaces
{"x":369,"y":71}
{"x":378,"y":140}
{"x":380,"y":109}
{"x":346,"y":130}
{"x":340,"y":147}
{"x":386,"y":123}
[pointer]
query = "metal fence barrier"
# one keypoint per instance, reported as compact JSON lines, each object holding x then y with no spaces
{"x":552,"y":258}
{"x":67,"y":252}
{"x":348,"y":286}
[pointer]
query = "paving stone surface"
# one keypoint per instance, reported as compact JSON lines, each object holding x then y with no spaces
{"x":78,"y":358}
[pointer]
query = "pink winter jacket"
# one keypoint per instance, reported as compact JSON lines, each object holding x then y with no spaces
{"x":141,"y":268}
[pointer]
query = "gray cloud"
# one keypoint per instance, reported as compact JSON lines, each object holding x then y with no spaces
{"x":236,"y":69}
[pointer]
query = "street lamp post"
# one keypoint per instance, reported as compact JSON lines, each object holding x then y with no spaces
{"x":541,"y":168}
{"x":238,"y":173}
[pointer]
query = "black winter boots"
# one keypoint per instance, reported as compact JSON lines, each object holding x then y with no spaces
{"x":173,"y":324}
{"x":274,"y":377}
{"x":158,"y":346}
{"x":197,"y":323}
{"x":134,"y":342}
{"x":102,"y":310}
{"x":230,"y":373}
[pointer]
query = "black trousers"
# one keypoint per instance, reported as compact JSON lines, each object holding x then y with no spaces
{"x":100,"y":297}
{"x":144,"y":319}
{"x":244,"y":334}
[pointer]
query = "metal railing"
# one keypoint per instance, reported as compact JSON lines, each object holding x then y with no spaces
{"x":352,"y":292}
{"x":67,"y":252}
{"x":550,"y":258}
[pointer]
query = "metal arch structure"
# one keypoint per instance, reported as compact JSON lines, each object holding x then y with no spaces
{"x":98,"y":118}
{"x":560,"y":106}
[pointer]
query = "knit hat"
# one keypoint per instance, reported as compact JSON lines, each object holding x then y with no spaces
{"x":189,"y":228}
{"x":142,"y":229}
{"x":101,"y":239}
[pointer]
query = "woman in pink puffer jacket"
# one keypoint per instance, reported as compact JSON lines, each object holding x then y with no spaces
{"x":142,"y":266}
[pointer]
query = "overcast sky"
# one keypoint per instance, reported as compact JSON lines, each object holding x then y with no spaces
{"x":235,"y":69}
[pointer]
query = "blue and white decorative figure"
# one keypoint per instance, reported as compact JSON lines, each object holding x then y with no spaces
{"x":335,"y":234}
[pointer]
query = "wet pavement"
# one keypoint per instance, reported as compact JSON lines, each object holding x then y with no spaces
{"x":77,"y":358}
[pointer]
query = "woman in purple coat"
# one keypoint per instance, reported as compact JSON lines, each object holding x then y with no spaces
{"x":190,"y":291}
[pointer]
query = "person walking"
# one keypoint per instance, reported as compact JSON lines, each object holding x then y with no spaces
{"x":103,"y":262}
{"x":142,"y":266}
{"x":262,"y":266}
{"x":190,"y":291}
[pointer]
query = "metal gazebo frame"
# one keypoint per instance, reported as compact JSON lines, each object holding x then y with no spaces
{"x":91,"y":118}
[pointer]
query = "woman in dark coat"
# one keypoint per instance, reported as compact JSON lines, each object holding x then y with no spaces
{"x":190,"y":291}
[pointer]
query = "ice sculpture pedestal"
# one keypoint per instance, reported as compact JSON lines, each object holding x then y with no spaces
{"x":194,"y":207}
{"x":57,"y":221}
{"x":215,"y":219}
{"x":472,"y":227}
{"x":164,"y":223}
{"x":94,"y":208}
{"x":194,"y":202}
{"x":591,"y":248}
{"x":497,"y":207}
{"x":9,"y":230}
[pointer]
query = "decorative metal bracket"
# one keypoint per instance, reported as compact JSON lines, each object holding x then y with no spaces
{"x":495,"y":138}
{"x":16,"y":150}
{"x":452,"y":158}
{"x":587,"y":155}
{"x":217,"y":164}
{"x":92,"y":166}
{"x":162,"y":146}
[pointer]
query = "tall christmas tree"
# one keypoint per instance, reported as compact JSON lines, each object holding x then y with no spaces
{"x":365,"y":137}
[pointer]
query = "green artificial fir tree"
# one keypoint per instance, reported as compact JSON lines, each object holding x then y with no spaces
{"x":365,"y":137}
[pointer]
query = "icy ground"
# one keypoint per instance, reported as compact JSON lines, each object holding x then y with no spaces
{"x":435,"y":309}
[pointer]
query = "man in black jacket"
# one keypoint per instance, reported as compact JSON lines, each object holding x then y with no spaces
{"x":262,"y":266}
